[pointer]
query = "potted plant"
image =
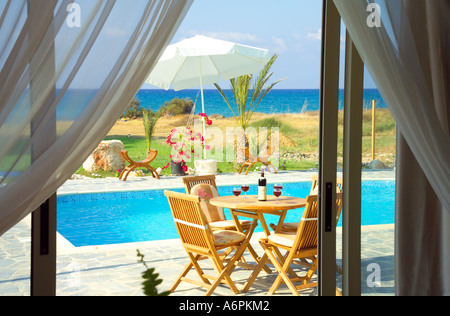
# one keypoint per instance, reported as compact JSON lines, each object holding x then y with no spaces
{"x":184,"y":142}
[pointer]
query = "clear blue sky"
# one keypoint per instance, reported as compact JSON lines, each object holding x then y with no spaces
{"x":290,"y":28}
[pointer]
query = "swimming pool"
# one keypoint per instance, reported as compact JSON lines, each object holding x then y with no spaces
{"x":124,"y":217}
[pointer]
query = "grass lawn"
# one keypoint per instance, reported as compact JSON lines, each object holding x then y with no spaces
{"x":137,"y":149}
{"x":299,"y":133}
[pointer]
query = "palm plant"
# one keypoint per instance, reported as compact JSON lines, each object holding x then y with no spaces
{"x":149,"y":119}
{"x":247,"y":96}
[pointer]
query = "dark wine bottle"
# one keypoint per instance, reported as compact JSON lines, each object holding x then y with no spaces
{"x":262,"y":187}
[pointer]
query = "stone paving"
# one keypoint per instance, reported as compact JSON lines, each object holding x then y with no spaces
{"x":113,"y":270}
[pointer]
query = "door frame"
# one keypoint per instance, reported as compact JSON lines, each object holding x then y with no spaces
{"x":329,"y":100}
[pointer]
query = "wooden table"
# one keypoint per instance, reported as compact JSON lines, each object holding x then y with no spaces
{"x":249,"y":207}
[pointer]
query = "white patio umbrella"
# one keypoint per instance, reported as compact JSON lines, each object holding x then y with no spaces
{"x":202,"y":60}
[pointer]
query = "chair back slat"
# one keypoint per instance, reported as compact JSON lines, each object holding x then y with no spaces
{"x":189,"y":219}
{"x":307,"y":231}
{"x":315,"y":183}
{"x":191,"y":181}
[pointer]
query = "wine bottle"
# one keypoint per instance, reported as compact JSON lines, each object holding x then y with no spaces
{"x":262,"y":187}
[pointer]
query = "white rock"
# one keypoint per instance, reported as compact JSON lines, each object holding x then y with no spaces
{"x":106,"y":157}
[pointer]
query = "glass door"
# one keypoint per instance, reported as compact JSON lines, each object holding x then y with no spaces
{"x":329,"y":94}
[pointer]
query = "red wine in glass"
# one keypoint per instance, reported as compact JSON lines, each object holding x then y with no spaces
{"x":277,"y":193}
{"x":245,"y":188}
{"x":236,"y":192}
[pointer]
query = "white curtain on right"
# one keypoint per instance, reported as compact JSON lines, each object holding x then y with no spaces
{"x":408,"y":58}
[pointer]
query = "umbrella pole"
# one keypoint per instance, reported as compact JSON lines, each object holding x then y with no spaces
{"x":203,"y":105}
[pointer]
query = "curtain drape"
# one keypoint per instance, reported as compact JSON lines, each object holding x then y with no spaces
{"x":68,"y":70}
{"x":408,"y":58}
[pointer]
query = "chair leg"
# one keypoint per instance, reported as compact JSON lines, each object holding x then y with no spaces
{"x":225,"y":271}
{"x":248,"y":169}
{"x":153,"y":172}
{"x":242,"y":167}
{"x":255,"y":273}
{"x":192,"y":263}
{"x":273,"y":167}
{"x":182,"y":275}
{"x":123,"y":172}
{"x":282,"y":276}
{"x":128,"y":172}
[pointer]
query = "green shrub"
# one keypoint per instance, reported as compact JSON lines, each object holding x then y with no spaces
{"x":271,"y":122}
{"x":177,"y":106}
{"x":133,"y":109}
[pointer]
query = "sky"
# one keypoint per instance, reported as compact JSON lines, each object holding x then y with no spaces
{"x":291,"y":28}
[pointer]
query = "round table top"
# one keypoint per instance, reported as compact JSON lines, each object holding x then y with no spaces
{"x":250,"y":202}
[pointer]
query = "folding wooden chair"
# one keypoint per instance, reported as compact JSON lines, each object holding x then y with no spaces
{"x":298,"y":245}
{"x":314,"y":191}
{"x":215,"y":215}
{"x":138,"y":164}
{"x":191,"y":181}
{"x":200,"y":243}
{"x":252,"y":160}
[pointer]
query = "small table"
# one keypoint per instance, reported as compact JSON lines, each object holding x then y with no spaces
{"x":249,"y":206}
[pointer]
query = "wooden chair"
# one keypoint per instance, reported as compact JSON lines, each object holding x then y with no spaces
{"x":139,"y":164}
{"x":190,"y":181}
{"x":252,"y":160}
{"x":293,"y":226}
{"x":200,"y":243}
{"x":314,"y":190}
{"x":215,"y":215}
{"x":298,"y":245}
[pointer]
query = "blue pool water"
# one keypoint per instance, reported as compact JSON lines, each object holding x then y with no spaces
{"x":123,"y":217}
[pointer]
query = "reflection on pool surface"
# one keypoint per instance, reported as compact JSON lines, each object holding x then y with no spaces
{"x":122,"y":217}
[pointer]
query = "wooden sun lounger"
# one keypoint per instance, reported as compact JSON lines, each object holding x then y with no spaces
{"x":252,"y":160}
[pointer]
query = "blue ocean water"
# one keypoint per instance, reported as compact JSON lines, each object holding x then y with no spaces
{"x":276,"y":101}
{"x":123,"y":217}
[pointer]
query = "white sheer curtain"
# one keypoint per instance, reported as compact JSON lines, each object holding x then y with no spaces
{"x":68,"y":69}
{"x":408,"y":58}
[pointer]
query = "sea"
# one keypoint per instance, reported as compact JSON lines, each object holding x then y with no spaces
{"x":277,"y":101}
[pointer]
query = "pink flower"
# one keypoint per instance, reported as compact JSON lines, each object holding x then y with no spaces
{"x":185,"y":168}
{"x":204,"y":195}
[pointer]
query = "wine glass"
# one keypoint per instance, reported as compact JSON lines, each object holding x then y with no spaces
{"x":278,"y":186}
{"x":277,"y":193}
{"x":245,"y":188}
{"x":236,"y":192}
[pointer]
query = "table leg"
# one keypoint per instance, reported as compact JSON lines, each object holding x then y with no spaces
{"x":249,"y":233}
{"x":267,"y":231}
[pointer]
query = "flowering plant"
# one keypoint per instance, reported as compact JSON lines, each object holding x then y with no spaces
{"x":205,"y":118}
{"x":139,"y":173}
{"x":184,"y":141}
